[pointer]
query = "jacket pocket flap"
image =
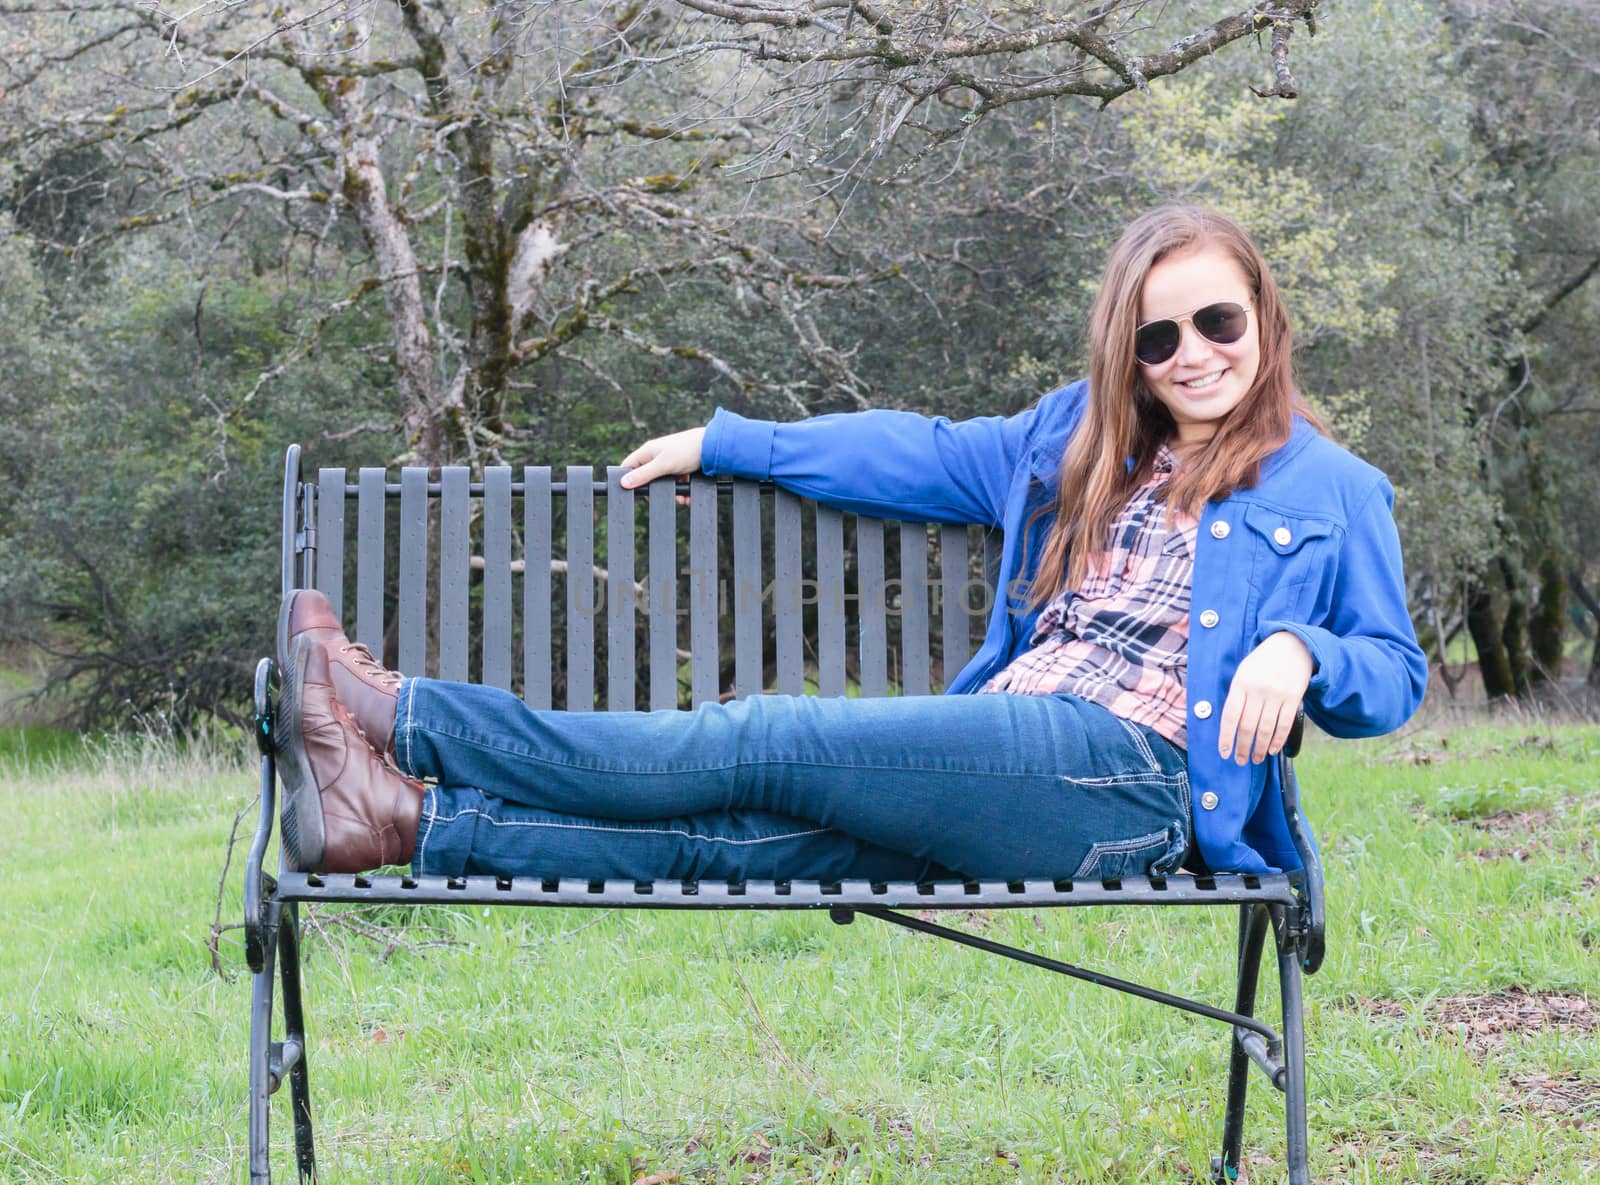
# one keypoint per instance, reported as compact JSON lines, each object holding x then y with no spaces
{"x":1285,"y":533}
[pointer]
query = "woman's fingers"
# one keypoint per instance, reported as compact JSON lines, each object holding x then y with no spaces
{"x":1266,"y":727}
{"x":644,"y":464}
{"x":1229,"y":727}
{"x":1260,"y":726}
{"x":1249,"y":730}
{"x":1280,"y":735}
{"x":676,"y":456}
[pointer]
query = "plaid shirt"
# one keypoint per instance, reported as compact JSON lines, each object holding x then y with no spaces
{"x":1122,"y":639}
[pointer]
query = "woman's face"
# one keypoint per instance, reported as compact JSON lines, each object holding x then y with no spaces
{"x":1203,"y":380}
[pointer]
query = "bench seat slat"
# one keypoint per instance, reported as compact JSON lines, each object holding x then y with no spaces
{"x":1180,"y":889}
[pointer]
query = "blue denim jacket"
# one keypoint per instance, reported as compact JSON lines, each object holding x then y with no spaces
{"x":1311,"y":549}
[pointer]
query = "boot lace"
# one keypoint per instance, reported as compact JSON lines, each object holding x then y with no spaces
{"x":371,"y":667}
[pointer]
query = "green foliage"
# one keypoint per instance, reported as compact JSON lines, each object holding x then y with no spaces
{"x":142,"y":547}
{"x":1188,"y":142}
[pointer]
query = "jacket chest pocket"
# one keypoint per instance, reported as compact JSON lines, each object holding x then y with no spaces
{"x":1292,"y":559}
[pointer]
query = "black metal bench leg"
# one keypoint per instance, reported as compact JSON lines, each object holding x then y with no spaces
{"x":295,"y":1037}
{"x":1252,"y":937}
{"x":1294,"y":1055}
{"x":261,"y":1059}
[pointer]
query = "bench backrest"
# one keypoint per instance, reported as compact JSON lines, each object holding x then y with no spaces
{"x":577,"y":593}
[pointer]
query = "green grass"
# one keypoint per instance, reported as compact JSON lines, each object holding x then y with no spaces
{"x":28,"y":744}
{"x":567,"y":1046}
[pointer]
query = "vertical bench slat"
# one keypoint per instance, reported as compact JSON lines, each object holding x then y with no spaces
{"x":871,"y":616}
{"x":330,"y":538}
{"x":497,"y":576}
{"x":369,"y":560}
{"x":788,"y":606}
{"x":993,"y":544}
{"x":455,"y":554}
{"x":581,"y":607}
{"x":914,"y":658}
{"x":413,"y":622}
{"x":748,"y":655}
{"x":536,"y":556}
{"x":953,"y":602}
{"x":830,"y":601}
{"x":663,"y":595}
{"x":620,"y":599}
{"x":704,"y":675}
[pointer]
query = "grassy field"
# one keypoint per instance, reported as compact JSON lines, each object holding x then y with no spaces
{"x":1454,"y":1031}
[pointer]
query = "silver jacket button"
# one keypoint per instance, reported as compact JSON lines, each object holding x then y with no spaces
{"x":1219,"y":530}
{"x":1209,"y":618}
{"x":1203,"y":709}
{"x":1281,"y":536}
{"x":1208,"y":801}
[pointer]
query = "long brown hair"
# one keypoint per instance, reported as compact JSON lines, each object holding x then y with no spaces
{"x":1124,"y":420}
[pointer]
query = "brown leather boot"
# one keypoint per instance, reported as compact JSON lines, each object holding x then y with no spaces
{"x":362,"y":683}
{"x":344,"y":808}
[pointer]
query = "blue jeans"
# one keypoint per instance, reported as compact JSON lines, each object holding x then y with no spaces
{"x":791,"y":787}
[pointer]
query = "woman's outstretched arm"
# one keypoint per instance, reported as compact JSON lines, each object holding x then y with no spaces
{"x":893,"y":464}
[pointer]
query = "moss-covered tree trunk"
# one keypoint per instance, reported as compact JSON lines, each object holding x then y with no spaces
{"x":1547,"y":626}
{"x":1497,"y":619}
{"x":1514,"y":630}
{"x":1484,"y":618}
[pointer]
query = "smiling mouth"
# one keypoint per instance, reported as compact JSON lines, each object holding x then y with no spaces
{"x":1204,"y":381}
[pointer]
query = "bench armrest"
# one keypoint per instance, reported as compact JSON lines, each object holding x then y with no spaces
{"x":257,"y":882}
{"x":1308,"y":880}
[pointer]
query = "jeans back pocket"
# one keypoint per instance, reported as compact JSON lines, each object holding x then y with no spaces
{"x":1141,"y":855}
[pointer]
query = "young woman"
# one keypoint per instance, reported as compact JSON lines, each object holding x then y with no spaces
{"x":1187,"y":559}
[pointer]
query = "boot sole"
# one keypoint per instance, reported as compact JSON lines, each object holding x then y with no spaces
{"x":283,"y":629}
{"x":300,"y":814}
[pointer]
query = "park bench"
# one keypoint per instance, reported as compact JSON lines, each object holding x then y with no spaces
{"x":480,"y":579}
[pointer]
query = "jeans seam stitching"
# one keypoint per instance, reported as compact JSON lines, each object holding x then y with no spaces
{"x":1136,"y":779}
{"x":420,"y":858}
{"x":548,"y":760}
{"x":1133,"y":843}
{"x":1143,"y":744}
{"x":411,"y":700}
{"x":689,"y":835}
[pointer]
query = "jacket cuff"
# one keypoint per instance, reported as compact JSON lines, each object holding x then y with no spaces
{"x":737,"y":447}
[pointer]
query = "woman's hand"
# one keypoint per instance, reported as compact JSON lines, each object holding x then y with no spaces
{"x":677,"y":455}
{"x":1264,"y":697}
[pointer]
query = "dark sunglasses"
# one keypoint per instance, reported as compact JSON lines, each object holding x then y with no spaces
{"x":1223,"y":323}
